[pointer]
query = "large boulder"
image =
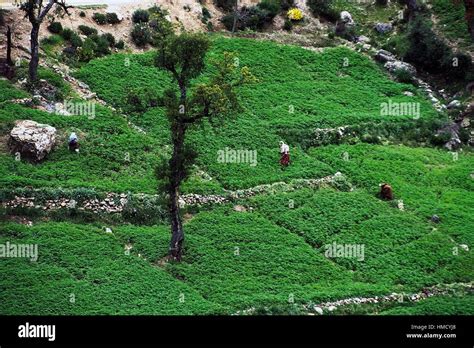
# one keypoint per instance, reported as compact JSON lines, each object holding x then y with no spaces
{"x":32,"y":140}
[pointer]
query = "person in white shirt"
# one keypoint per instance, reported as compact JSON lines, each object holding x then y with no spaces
{"x":285,"y":154}
{"x":73,"y":143}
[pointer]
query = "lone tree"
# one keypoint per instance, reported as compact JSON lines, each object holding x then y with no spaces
{"x":183,"y":56}
{"x":36,"y":11}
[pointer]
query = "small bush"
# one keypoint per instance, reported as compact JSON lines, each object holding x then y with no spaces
{"x":285,"y":5}
{"x":82,"y":14}
{"x":381,"y":2}
{"x":226,"y":5}
{"x":99,"y":18}
{"x":255,"y":17}
{"x":110,"y":39}
{"x":288,"y":25}
{"x":141,"y":35}
{"x":323,"y":8}
{"x":102,"y":46}
{"x":67,"y":34}
{"x":120,"y":45}
{"x":87,"y":51}
{"x":75,"y":40}
{"x":141,"y":16}
{"x":403,"y":75}
{"x":112,"y":18}
{"x":52,"y":40}
{"x":87,"y":31}
{"x":55,"y":28}
{"x":458,"y":65}
{"x":425,"y":49}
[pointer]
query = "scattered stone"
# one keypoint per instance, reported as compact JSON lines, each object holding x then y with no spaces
{"x":408,"y":94}
{"x":464,"y":247}
{"x":240,"y":208}
{"x":383,"y":28}
{"x":454,"y":104}
{"x":397,"y":65}
{"x":318,"y":310}
{"x":435,"y":219}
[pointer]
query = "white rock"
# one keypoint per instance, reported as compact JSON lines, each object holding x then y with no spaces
{"x":32,"y":140}
{"x":318,"y":310}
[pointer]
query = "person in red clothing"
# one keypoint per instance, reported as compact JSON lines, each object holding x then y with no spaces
{"x":285,"y":154}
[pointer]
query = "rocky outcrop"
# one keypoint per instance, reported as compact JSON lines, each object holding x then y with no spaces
{"x":383,"y":28}
{"x":32,"y":140}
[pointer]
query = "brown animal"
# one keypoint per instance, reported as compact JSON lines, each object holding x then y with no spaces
{"x":386,"y":192}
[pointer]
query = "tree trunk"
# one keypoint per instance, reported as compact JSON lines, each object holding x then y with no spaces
{"x":412,"y":9}
{"x":34,"y":61}
{"x":176,"y":165}
{"x":469,"y":5}
{"x":235,"y":18}
{"x":9,"y":46}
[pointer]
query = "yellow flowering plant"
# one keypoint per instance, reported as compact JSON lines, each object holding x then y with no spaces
{"x":295,"y":14}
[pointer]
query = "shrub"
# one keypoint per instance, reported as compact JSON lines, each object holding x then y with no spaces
{"x":206,"y":15}
{"x":140,"y":16}
{"x":55,"y":27}
{"x":102,"y":46}
{"x":75,"y":40}
{"x":67,"y":34}
{"x":271,"y":6}
{"x":52,"y":40}
{"x":110,"y":39}
{"x":88,"y":31}
{"x":87,"y":51}
{"x":226,"y":5}
{"x":323,"y":8}
{"x":112,"y":18}
{"x":381,"y":2}
{"x":120,"y":45}
{"x":99,"y":18}
{"x":440,"y":139}
{"x":141,"y":35}
{"x":82,"y":14}
{"x":425,"y":49}
{"x":288,"y":25}
{"x":458,"y":65}
{"x":285,"y":5}
{"x":403,"y":75}
{"x":254,"y":18}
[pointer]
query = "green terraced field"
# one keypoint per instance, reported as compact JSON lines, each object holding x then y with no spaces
{"x":272,"y":254}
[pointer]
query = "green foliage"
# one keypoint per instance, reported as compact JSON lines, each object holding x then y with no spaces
{"x":87,"y":51}
{"x":120,"y":45}
{"x":99,"y":18}
{"x":93,"y":267}
{"x":254,"y":17}
{"x":226,"y":5}
{"x":88,"y":31}
{"x":140,"y":16}
{"x":55,"y":27}
{"x":323,"y":8}
{"x":141,"y":35}
{"x":425,"y":49}
{"x":82,"y":14}
{"x":112,"y":18}
{"x":67,"y":34}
